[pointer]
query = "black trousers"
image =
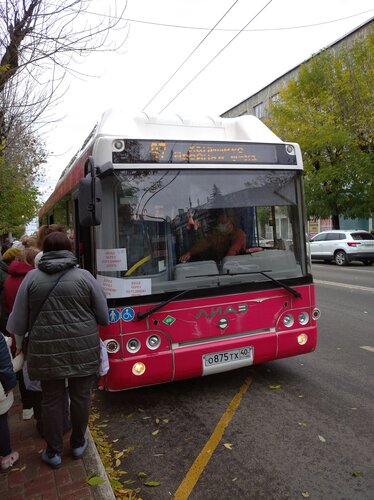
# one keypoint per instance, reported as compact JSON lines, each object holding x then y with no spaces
{"x":53,"y":409}
{"x":26,"y":395}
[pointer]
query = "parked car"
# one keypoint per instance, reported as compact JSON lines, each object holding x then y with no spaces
{"x":343,"y":246}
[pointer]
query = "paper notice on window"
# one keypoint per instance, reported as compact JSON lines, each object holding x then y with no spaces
{"x":111,"y":259}
{"x":115,"y":288}
{"x":134,"y":287}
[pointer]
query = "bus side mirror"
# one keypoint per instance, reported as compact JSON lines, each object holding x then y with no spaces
{"x":90,"y":201}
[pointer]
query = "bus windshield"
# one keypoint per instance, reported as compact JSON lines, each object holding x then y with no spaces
{"x":183,"y":229}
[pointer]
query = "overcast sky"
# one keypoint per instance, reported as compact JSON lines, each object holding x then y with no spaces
{"x":255,"y":42}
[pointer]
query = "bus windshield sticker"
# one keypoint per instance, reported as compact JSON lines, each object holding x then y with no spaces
{"x":118,"y":287}
{"x":135,"y":287}
{"x":169,"y":320}
{"x":111,"y":259}
{"x":128,"y":314}
{"x":113,"y":315}
{"x":113,"y":287}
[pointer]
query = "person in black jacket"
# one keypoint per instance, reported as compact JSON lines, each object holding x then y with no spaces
{"x":63,"y":304}
{"x":8,"y":381}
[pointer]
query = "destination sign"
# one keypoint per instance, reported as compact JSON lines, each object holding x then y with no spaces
{"x":197,"y":152}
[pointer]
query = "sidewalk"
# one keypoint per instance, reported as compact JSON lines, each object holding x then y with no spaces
{"x":31,"y":479}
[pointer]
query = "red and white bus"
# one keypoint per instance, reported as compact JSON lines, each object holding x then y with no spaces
{"x":140,"y":194}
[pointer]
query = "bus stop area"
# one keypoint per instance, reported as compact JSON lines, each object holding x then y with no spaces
{"x":32,"y":479}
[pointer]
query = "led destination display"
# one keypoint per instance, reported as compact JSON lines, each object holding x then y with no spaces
{"x":197,"y":152}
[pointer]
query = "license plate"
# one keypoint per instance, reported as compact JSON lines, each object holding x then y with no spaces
{"x":216,"y":362}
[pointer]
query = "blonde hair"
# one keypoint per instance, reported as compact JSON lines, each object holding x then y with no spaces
{"x":29,"y":255}
{"x":28,"y":241}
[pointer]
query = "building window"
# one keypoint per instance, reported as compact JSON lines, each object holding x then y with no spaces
{"x":258,"y":110}
{"x":275,"y":98}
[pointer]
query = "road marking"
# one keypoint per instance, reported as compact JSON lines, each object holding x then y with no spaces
{"x":197,"y":468}
{"x":344,"y":285}
{"x":367,"y":348}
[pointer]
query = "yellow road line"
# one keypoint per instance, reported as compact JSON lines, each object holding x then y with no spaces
{"x":197,"y":468}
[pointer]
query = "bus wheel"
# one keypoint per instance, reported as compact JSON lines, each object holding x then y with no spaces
{"x":341,"y":258}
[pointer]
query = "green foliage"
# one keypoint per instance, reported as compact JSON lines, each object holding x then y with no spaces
{"x":21,"y":169}
{"x":329,"y":112}
{"x":18,"y":198}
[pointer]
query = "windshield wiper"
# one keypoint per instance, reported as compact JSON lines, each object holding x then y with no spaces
{"x":286,"y":287}
{"x":145,"y":314}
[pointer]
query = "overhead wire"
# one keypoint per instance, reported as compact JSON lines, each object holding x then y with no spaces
{"x":282,"y":28}
{"x":188,"y":57}
{"x":215,"y":57}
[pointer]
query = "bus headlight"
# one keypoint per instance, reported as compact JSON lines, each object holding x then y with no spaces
{"x":118,"y":145}
{"x":138,"y":368}
{"x":111,"y":345}
{"x":133,"y":345}
{"x":288,"y":320}
{"x":153,"y":342}
{"x":302,"y":338}
{"x":303,"y":318}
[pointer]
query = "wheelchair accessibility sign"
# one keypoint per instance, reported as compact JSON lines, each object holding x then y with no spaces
{"x":128,"y":314}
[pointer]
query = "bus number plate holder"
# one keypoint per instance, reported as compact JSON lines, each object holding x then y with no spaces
{"x":216,"y":362}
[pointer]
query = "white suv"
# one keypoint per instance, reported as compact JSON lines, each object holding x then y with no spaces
{"x":343,"y":246}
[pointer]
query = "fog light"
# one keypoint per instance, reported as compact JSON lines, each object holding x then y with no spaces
{"x":133,"y":345}
{"x":303,"y":318}
{"x":288,"y":320}
{"x":138,"y":368}
{"x":316,"y":314}
{"x":302,"y":338}
{"x":153,"y":342}
{"x":111,"y":345}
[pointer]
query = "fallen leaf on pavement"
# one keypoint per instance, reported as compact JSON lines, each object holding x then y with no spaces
{"x":152,"y":483}
{"x":93,"y":480}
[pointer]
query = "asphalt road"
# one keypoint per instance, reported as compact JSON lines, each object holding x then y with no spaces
{"x":312,"y":436}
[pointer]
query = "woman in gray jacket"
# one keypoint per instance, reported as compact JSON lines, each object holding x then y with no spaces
{"x":60,"y":306}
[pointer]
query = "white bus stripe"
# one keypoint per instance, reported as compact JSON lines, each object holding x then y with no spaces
{"x":344,"y":285}
{"x":367,"y":348}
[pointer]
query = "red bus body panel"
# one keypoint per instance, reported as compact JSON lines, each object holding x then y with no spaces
{"x":190,"y":329}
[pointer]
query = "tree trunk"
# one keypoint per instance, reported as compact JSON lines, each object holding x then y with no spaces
{"x":335,"y":222}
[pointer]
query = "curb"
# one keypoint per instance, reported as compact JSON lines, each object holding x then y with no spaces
{"x":93,"y":465}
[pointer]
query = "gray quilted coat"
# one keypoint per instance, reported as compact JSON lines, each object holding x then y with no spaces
{"x":64,"y":339}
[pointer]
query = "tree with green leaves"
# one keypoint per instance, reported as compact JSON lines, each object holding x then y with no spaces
{"x":21,"y":169}
{"x":41,"y":42}
{"x":329,"y":112}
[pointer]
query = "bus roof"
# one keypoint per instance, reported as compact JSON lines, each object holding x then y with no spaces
{"x":117,"y":123}
{"x":120,"y":124}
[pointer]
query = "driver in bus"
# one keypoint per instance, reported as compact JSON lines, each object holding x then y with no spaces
{"x":225,"y":239}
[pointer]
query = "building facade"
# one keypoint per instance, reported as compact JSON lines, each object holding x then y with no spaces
{"x":259,"y":103}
